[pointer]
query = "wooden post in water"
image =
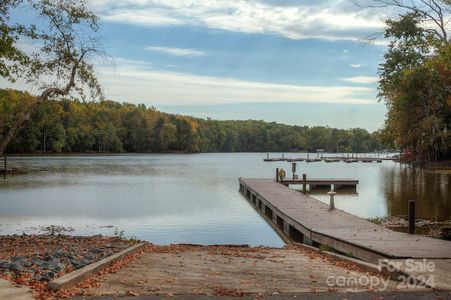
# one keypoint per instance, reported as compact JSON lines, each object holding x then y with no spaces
{"x":4,"y":166}
{"x":293,"y":168}
{"x":411,"y":214}
{"x":304,"y":183}
{"x":277,"y":174}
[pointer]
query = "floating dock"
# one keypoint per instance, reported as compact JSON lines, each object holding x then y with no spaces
{"x":307,"y":220}
{"x":322,"y":182}
{"x":331,"y":159}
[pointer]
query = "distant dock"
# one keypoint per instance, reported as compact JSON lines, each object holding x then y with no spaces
{"x":350,"y":158}
{"x":305,"y":219}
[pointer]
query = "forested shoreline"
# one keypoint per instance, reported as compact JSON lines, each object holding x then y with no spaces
{"x":111,"y":127}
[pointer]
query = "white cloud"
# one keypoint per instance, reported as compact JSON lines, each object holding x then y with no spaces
{"x":356,"y":66}
{"x":138,"y":82}
{"x":361,"y":79}
{"x":154,"y":87}
{"x":333,"y":20}
{"x":176,"y":51}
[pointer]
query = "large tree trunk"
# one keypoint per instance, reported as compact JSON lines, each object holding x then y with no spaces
{"x":47,"y":93}
{"x":16,"y":126}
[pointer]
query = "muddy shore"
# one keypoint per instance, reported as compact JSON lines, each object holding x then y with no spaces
{"x":437,"y":230}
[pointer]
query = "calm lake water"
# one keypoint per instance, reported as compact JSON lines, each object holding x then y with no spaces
{"x":193,"y":198}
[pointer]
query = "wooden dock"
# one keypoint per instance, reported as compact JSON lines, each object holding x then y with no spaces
{"x":307,"y":220}
{"x":331,"y":159}
{"x":323,"y":182}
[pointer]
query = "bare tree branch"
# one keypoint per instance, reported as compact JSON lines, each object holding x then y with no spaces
{"x":432,"y":10}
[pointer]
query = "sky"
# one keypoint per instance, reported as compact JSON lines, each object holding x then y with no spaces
{"x":289,"y":61}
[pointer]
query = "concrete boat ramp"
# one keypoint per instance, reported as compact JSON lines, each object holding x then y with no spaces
{"x":307,"y":220}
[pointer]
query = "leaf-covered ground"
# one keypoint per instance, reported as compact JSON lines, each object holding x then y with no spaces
{"x":34,"y":260}
{"x":182,"y":269}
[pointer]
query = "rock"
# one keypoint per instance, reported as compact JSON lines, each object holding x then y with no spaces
{"x":58,"y":253}
{"x":96,"y":250}
{"x":4,"y":264}
{"x":16,"y":267}
{"x":89,"y":256}
{"x":77,"y":264}
{"x":53,"y":266}
{"x":61,"y":266}
{"x":49,"y":257}
{"x":446,"y":232}
{"x":37,"y":277}
{"x":27,"y":263}
{"x":46,"y":276}
{"x":17,"y":258}
{"x":37,"y":261}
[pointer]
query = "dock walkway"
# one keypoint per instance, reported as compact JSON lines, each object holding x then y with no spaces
{"x":322,"y":182}
{"x":306,"y":219}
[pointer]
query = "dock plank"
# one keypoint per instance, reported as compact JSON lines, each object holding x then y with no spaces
{"x":338,"y":226}
{"x":323,"y":181}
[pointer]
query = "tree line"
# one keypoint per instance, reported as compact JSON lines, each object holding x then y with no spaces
{"x":415,"y":79}
{"x":71,"y":125}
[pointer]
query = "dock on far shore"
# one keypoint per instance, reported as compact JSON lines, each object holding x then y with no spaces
{"x":318,"y":157}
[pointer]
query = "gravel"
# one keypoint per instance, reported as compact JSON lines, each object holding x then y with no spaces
{"x":45,"y":257}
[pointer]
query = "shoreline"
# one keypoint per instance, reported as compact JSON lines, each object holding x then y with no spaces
{"x":434,"y":229}
{"x":38,"y":154}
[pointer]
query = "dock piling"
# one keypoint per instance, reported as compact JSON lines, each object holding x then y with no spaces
{"x":277,"y":174}
{"x":4,"y":166}
{"x":304,"y":183}
{"x":332,"y":200}
{"x":411,"y":214}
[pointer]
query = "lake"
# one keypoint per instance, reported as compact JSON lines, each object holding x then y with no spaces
{"x":193,"y":198}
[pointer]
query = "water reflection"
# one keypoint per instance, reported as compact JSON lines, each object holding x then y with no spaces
{"x":430,"y":190}
{"x":193,"y":198}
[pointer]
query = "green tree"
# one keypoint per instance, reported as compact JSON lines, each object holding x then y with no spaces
{"x":414,"y":83}
{"x":168,"y":136}
{"x":11,"y":56}
{"x":61,"y":65}
{"x":71,"y":125}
